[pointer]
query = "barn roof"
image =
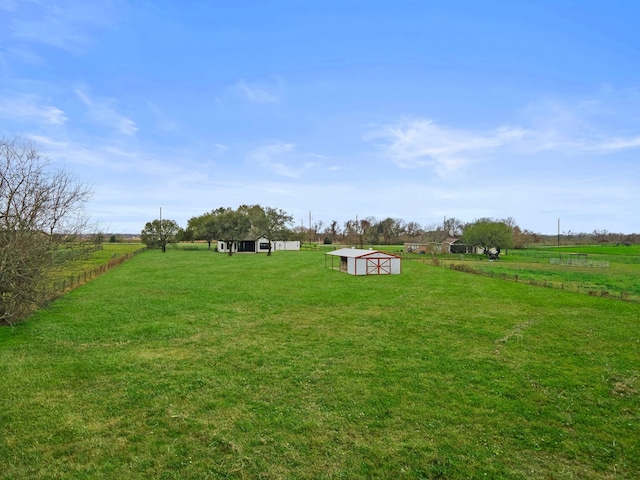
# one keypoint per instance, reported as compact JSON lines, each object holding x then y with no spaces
{"x":357,"y":253}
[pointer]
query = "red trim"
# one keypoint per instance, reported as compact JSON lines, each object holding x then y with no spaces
{"x":378,"y":266}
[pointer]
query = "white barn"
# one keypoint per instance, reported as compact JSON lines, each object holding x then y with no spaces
{"x":365,"y":262}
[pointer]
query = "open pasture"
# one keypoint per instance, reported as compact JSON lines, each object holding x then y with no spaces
{"x":608,"y":271}
{"x":193,"y":364}
{"x":90,"y":259}
{"x":86,"y":262}
{"x":603,"y":249}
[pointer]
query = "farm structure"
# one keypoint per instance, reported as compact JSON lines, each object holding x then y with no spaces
{"x":364,"y":262}
{"x":449,"y":245}
{"x":260,"y":245}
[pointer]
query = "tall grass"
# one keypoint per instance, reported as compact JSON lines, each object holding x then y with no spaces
{"x":200,"y":365}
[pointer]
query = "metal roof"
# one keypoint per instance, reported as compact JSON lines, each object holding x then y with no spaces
{"x":358,"y":252}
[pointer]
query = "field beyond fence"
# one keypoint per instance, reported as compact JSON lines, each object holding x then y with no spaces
{"x":84,"y":269}
{"x":576,"y":286}
{"x":612,"y":272}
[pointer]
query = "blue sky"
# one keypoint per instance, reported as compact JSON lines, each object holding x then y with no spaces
{"x":409,"y":109}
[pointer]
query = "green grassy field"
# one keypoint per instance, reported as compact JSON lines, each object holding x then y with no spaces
{"x":97,"y":258}
{"x":602,"y":249}
{"x":610,"y":271}
{"x":88,"y":263}
{"x":193,"y":364}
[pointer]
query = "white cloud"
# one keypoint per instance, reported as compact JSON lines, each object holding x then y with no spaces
{"x":615,"y":144}
{"x":592,"y":125}
{"x":271,"y":158}
{"x":420,"y":142}
{"x":25,"y":54}
{"x":32,"y":108}
{"x":257,"y":93}
{"x":282,"y":159}
{"x":67,"y":25}
{"x":219,"y":149}
{"x":9,"y":5}
{"x":163,"y":122}
{"x":103,"y":112}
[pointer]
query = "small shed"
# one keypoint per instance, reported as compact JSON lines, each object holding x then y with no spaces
{"x":356,"y":261}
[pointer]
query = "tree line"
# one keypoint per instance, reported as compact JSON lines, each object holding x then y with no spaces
{"x":394,"y":231}
{"x":254,"y":221}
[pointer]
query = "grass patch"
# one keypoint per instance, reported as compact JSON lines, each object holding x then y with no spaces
{"x":108,"y":251}
{"x":89,"y":264}
{"x":200,"y":365}
{"x":633,"y":250}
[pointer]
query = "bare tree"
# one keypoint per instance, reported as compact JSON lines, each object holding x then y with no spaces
{"x":351,"y":231}
{"x":413,"y":231}
{"x":40,"y":208}
{"x":334,"y":230}
{"x":453,"y":227}
{"x":315,"y":230}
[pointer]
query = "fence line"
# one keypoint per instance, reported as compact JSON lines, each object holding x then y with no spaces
{"x":72,"y":282}
{"x":579,"y":263}
{"x":576,"y":287}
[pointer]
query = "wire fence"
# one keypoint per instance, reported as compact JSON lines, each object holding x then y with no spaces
{"x":571,"y":286}
{"x":579,"y":262}
{"x":71,"y":282}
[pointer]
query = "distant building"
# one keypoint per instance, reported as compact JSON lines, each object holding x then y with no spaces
{"x":260,"y":245}
{"x":449,"y":245}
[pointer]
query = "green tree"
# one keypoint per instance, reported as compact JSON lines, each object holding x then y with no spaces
{"x":159,"y":233}
{"x":270,"y":223}
{"x":229,"y":225}
{"x":487,"y":233}
{"x":186,"y":235}
{"x":391,"y":230}
{"x":203,"y":227}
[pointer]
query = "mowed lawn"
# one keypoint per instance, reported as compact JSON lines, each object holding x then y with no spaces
{"x":194,"y":365}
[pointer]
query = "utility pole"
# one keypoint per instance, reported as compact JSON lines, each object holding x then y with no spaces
{"x":558,"y":232}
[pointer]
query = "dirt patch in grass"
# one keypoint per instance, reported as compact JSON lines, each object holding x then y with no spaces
{"x":624,"y":386}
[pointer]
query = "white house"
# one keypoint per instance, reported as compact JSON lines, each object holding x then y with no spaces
{"x":355,"y":261}
{"x":261,"y":245}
